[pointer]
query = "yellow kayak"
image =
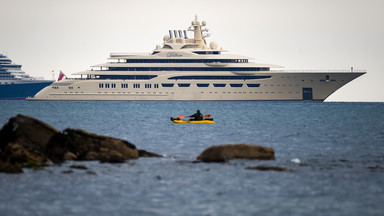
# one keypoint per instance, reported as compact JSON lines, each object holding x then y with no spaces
{"x":205,"y":121}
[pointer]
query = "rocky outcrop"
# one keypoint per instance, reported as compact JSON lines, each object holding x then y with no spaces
{"x":221,"y":153}
{"x":269,"y":168}
{"x":7,"y":167}
{"x":81,"y":145}
{"x":144,"y":153}
{"x":24,"y":139}
{"x":27,"y":140}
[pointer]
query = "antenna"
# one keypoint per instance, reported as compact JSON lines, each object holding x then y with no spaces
{"x":180,"y":34}
{"x":185,"y":34}
{"x":175,"y":32}
{"x":170,"y":33}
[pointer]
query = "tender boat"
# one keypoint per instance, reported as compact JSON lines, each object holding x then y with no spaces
{"x":187,"y":121}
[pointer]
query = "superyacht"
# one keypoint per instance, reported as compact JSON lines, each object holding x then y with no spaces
{"x":188,"y":69}
{"x":15,"y":83}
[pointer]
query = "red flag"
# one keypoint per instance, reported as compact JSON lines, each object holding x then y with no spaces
{"x":61,"y":76}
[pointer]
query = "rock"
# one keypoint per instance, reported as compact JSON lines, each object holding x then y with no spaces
{"x":78,"y":167}
{"x":221,"y":153}
{"x":112,"y":157}
{"x":269,"y":168}
{"x":144,"y":153}
{"x":24,"y":139}
{"x":69,"y":156}
{"x":33,"y":165}
{"x":8,"y":167}
{"x":88,"y":146}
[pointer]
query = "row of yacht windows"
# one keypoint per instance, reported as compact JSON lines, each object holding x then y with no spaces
{"x":167,"y":85}
{"x":187,"y":69}
{"x":197,"y":52}
{"x":166,"y":93}
{"x":200,"y":77}
{"x":184,"y":60}
{"x":11,"y":66}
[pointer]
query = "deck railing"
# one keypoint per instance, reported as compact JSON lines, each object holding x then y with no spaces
{"x":320,"y":71}
{"x":117,"y":54}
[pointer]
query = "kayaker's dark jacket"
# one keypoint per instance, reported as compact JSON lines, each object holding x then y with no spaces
{"x":197,"y":116}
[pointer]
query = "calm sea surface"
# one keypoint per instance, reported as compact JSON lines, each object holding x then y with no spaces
{"x":335,"y":149}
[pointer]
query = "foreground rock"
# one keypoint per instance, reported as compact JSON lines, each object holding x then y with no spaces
{"x":144,"y":153}
{"x":221,"y":153}
{"x":24,"y":139}
{"x":269,"y":168}
{"x":8,"y":167}
{"x":78,"y":144}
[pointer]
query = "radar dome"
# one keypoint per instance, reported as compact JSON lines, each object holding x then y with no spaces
{"x":213,"y":45}
{"x":166,"y":38}
{"x":204,"y":23}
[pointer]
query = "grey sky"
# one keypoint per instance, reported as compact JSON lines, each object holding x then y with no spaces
{"x":72,"y":35}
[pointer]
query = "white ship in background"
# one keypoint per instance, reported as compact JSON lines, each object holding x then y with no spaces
{"x":15,"y":83}
{"x":188,"y":69}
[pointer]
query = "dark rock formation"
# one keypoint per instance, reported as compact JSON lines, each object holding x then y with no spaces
{"x":78,"y":167}
{"x":81,"y":145}
{"x":144,"y":153}
{"x":240,"y":151}
{"x":269,"y":168}
{"x":24,"y":139}
{"x":8,"y":167}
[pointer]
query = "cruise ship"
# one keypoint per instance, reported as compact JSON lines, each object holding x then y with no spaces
{"x":188,"y":69}
{"x":15,"y":83}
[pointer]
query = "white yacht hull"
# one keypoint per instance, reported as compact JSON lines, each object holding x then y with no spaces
{"x":278,"y":86}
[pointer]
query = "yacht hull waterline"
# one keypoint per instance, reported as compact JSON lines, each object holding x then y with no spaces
{"x":184,"y":69}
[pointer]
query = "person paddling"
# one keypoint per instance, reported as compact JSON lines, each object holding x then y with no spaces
{"x":197,"y":116}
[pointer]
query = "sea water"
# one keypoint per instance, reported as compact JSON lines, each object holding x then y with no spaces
{"x":335,"y":152}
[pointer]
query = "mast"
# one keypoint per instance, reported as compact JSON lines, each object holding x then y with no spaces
{"x":197,"y":29}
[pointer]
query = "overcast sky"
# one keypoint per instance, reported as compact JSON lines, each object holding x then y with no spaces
{"x":72,"y":35}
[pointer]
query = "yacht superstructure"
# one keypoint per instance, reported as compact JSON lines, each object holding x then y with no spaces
{"x":189,"y":69}
{"x":15,"y":83}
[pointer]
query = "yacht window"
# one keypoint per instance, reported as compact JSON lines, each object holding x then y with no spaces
{"x":253,"y":85}
{"x":236,"y":85}
{"x":202,"y":84}
{"x":167,"y":84}
{"x":219,"y":84}
{"x":184,"y":84}
{"x":127,"y":77}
